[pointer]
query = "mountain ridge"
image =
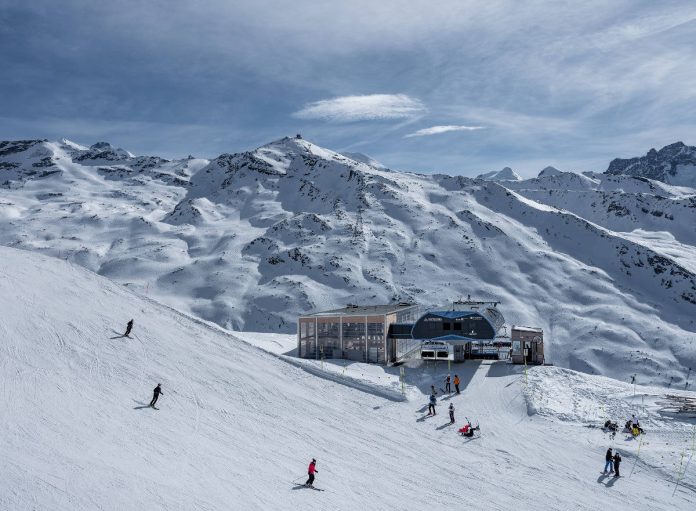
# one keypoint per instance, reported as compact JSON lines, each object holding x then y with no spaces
{"x":250,"y":240}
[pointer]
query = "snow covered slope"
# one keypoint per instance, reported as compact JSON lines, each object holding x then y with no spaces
{"x":250,"y":240}
{"x":236,"y":425}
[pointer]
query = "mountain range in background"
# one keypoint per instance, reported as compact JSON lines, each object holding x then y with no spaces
{"x":604,"y":262}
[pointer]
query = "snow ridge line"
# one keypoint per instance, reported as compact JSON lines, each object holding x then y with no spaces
{"x":343,"y":380}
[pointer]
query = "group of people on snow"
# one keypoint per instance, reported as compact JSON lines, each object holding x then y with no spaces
{"x":468,"y":429}
{"x":612,"y":463}
{"x":632,"y":426}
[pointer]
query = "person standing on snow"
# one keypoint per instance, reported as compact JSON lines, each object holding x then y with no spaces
{"x":617,"y":462}
{"x":431,"y":406}
{"x":456,"y":383}
{"x":448,"y":387}
{"x":155,"y":394}
{"x":129,"y":327}
{"x":311,"y":471}
{"x":432,"y":390}
{"x":451,"y":411}
{"x":609,"y":465}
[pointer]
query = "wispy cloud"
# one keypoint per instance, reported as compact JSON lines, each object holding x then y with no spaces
{"x":436,"y":130}
{"x":363,"y":108}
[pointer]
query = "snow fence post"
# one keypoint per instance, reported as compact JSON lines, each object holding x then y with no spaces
{"x":402,"y":377}
{"x":680,"y":474}
{"x":525,"y":371}
{"x":637,"y":454}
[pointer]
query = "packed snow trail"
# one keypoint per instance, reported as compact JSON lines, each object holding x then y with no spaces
{"x":235,"y":424}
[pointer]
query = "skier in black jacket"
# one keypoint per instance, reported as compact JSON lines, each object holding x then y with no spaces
{"x":129,"y":327}
{"x":609,"y":459}
{"x":617,"y":462}
{"x":155,"y":394}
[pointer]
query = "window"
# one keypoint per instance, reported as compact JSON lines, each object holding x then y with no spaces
{"x":328,"y":336}
{"x":457,"y":326}
{"x":375,"y":341}
{"x":307,"y":341}
{"x":354,"y":336}
{"x":445,"y":326}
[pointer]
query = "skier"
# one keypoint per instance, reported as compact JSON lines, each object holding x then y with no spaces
{"x":155,"y":394}
{"x":431,"y":406}
{"x":617,"y":462}
{"x":448,"y":387}
{"x":451,"y":411}
{"x":311,"y":471}
{"x":609,"y":465}
{"x":456,"y":383}
{"x":129,"y":327}
{"x":432,"y":390}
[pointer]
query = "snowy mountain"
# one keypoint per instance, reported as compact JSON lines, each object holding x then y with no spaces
{"x":237,"y":425}
{"x":505,"y":174}
{"x":549,"y":171}
{"x":364,"y":158}
{"x":250,"y":240}
{"x":673,"y":164}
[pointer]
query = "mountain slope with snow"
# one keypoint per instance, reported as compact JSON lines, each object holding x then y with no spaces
{"x":674,"y":164}
{"x":250,"y":240}
{"x":236,"y":426}
{"x":505,"y":174}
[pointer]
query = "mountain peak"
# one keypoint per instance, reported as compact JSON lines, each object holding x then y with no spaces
{"x":549,"y":171}
{"x":674,"y":164}
{"x":505,"y":174}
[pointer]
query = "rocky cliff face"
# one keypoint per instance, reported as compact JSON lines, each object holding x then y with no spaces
{"x":674,"y":164}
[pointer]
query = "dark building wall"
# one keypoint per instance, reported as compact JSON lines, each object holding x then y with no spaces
{"x":474,"y":326}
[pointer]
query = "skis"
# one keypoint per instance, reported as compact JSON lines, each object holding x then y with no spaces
{"x":300,"y":485}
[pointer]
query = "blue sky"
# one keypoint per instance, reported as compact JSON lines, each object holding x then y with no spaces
{"x":451,"y":86}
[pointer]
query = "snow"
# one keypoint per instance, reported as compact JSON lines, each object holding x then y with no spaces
{"x":505,"y":174}
{"x":364,"y":158}
{"x":549,"y":171}
{"x":237,"y":425}
{"x":249,"y":241}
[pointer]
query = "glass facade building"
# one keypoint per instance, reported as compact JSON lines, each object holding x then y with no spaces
{"x":357,"y":333}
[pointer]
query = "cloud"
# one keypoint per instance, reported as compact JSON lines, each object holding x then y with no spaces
{"x":363,"y":108}
{"x":436,"y":130}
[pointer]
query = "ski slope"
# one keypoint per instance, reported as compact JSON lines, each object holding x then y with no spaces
{"x":238,"y":424}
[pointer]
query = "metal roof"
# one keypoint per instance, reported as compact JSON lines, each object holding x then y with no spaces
{"x":528,"y":329}
{"x":365,"y":310}
{"x":454,"y":314}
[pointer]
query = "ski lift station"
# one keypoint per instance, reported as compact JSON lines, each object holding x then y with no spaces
{"x":388,"y":334}
{"x":527,"y":345}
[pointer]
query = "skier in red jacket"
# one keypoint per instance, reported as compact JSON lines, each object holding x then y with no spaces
{"x":311,"y":471}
